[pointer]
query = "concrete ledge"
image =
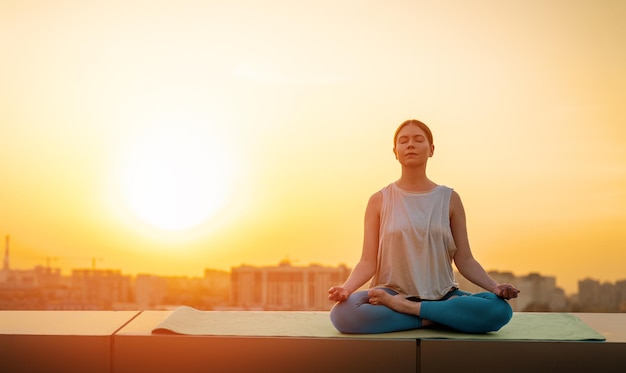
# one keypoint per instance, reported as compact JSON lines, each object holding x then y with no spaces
{"x":136,"y":349}
{"x":240,"y":354}
{"x":59,"y":341}
{"x":107,"y":341}
{"x":439,"y":355}
{"x":487,"y":357}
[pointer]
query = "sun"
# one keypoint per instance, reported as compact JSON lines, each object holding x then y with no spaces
{"x":176,"y":174}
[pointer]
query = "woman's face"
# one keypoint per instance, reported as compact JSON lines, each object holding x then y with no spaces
{"x":412,"y":145}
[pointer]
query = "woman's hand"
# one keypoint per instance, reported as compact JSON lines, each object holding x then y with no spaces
{"x":338,"y":293}
{"x":505,"y":291}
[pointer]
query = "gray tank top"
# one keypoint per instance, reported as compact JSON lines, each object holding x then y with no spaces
{"x":416,"y":246}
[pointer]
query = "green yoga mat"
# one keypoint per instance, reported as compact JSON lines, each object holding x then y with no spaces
{"x":523,"y":326}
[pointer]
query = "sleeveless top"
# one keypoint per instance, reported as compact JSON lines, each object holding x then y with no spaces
{"x":416,"y":246}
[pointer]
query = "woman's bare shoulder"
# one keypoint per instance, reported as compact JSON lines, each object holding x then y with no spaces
{"x":456,"y":205}
{"x":375,"y":203}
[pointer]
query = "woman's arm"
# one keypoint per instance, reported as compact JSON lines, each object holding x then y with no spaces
{"x":366,"y":267}
{"x":469,"y":267}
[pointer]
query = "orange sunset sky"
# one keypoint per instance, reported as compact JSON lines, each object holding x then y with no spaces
{"x":172,"y":136}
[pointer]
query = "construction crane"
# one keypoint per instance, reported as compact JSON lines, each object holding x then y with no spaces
{"x":75,"y":259}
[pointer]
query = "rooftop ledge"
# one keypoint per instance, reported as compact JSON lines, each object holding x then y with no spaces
{"x":124,"y":341}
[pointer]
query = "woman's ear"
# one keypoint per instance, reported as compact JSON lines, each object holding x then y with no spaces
{"x":432,"y":150}
{"x":394,"y":152}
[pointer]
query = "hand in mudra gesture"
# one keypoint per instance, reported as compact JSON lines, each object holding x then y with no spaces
{"x":505,"y":291}
{"x":338,"y":293}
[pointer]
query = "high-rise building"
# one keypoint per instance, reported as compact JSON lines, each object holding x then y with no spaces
{"x":285,"y":287}
{"x":100,"y":288}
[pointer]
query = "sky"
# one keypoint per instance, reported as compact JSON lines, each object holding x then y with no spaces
{"x":167,"y":137}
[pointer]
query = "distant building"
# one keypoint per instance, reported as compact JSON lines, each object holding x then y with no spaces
{"x":207,"y":293}
{"x":281,"y":287}
{"x":594,"y":296}
{"x":29,"y":289}
{"x":537,"y":293}
{"x":285,"y":287}
{"x":621,"y":294}
{"x":216,"y":287}
{"x":100,"y":288}
{"x":150,"y":291}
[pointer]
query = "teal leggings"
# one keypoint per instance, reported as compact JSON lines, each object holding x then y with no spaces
{"x":465,"y":312}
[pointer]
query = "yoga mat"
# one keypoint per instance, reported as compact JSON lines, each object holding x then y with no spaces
{"x":523,"y":326}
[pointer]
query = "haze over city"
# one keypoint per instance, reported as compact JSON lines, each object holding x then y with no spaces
{"x":171,"y":137}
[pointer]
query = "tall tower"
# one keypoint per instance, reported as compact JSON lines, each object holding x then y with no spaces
{"x":6,"y":266}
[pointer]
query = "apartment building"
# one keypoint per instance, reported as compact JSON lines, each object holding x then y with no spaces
{"x":285,"y":287}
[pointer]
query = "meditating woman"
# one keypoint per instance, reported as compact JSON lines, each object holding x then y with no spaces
{"x":414,"y":230}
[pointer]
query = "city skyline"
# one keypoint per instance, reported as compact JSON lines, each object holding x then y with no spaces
{"x":97,"y":263}
{"x":268,"y":288}
{"x":154,"y":136}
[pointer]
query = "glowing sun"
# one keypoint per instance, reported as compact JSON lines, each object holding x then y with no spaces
{"x":176,"y":177}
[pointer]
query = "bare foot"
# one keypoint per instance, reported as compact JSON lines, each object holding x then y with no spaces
{"x":396,"y":303}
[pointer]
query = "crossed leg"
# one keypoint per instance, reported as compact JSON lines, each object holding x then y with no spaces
{"x":382,"y":310}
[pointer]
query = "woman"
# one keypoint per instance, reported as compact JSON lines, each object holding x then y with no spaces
{"x":414,"y":229}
